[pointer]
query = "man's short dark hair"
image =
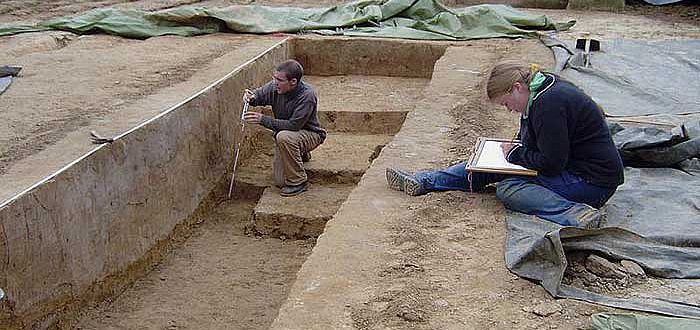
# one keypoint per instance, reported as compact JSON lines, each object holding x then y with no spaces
{"x":292,"y":69}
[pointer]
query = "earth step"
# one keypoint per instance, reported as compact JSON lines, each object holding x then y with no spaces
{"x":373,"y":122}
{"x":342,"y":158}
{"x":300,"y":216}
{"x":256,"y":170}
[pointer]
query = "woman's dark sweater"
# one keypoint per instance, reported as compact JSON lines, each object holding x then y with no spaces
{"x":566,"y":130}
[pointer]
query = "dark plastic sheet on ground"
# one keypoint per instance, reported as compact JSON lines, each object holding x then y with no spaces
{"x":649,"y":146}
{"x":653,"y":217}
{"x":636,"y":77}
{"x":5,"y":83}
{"x":6,"y":74}
{"x":407,"y":19}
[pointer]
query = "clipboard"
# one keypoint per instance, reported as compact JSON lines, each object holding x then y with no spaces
{"x":488,"y":157}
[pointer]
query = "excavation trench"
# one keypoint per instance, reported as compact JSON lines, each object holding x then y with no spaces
{"x":158,"y":244}
{"x":237,"y":267}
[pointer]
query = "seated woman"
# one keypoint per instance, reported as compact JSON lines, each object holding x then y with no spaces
{"x":564,"y":137}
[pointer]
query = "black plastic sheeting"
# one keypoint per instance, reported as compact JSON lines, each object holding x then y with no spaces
{"x":653,"y":218}
{"x":636,"y":77}
{"x":657,"y":147}
{"x":6,"y":74}
{"x":5,"y":83}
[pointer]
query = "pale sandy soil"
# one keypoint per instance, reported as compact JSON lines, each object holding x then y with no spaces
{"x":71,"y":84}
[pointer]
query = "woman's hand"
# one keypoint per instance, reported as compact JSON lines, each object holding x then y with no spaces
{"x":506,"y":148}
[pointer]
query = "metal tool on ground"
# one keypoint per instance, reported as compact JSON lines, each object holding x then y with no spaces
{"x":238,"y":148}
{"x":98,"y":139}
{"x":588,"y":45}
{"x":6,"y":74}
{"x":7,"y":70}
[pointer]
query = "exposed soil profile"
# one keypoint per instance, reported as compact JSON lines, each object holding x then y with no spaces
{"x":447,"y":270}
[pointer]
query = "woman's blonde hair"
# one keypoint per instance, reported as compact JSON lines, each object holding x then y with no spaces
{"x":505,"y":74}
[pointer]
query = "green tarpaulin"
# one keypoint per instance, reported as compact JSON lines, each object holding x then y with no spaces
{"x":406,"y":19}
{"x":608,"y":321}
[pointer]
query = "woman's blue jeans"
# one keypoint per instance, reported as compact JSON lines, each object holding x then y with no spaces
{"x":562,"y":199}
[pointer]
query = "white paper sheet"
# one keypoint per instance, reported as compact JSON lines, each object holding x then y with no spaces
{"x":492,"y":157}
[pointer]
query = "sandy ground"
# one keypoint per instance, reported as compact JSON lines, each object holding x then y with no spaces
{"x":71,"y":84}
{"x":218,"y":279}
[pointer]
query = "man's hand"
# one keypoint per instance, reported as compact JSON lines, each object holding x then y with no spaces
{"x":253,"y":117}
{"x":248,"y":95}
{"x":506,"y":148}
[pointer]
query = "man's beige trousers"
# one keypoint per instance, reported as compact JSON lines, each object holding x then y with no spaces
{"x":289,"y":146}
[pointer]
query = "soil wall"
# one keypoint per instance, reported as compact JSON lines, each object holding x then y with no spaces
{"x":76,"y":235}
{"x":371,"y":57}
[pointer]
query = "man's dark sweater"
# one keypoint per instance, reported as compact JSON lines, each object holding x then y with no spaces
{"x":566,"y":130}
{"x":294,"y":110}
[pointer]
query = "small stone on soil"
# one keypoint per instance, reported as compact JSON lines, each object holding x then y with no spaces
{"x":602,"y":267}
{"x":441,"y":303}
{"x":632,"y":268}
{"x":544,"y":309}
{"x":410,"y":316}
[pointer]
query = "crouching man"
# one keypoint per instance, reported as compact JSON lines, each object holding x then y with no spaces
{"x":295,"y":124}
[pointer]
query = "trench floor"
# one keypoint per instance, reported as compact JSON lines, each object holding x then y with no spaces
{"x":367,"y":93}
{"x":218,"y":279}
{"x":237,"y":267}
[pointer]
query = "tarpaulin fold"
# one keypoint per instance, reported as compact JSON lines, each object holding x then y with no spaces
{"x":649,"y":146}
{"x":406,"y":19}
